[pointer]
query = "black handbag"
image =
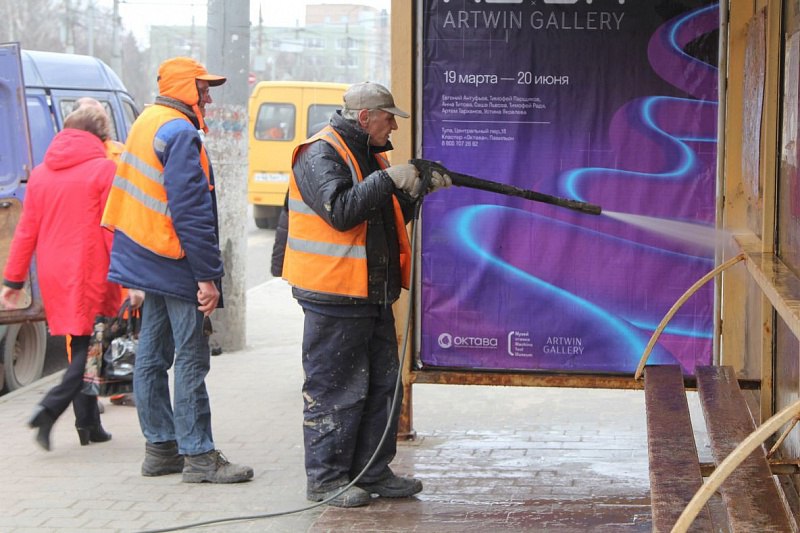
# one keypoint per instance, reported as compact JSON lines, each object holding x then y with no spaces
{"x":112,"y":353}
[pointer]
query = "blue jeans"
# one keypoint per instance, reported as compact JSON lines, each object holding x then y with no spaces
{"x":172,"y":331}
{"x":350,"y":367}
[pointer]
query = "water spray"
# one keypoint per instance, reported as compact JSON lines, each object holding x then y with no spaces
{"x":689,"y":232}
{"x":427,"y":168}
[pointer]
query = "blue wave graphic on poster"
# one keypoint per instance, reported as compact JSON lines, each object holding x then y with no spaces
{"x":655,"y":116}
{"x":464,"y":225}
{"x":685,"y":160}
{"x":600,"y":284}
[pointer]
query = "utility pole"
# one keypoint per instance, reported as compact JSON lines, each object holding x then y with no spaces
{"x":116,"y":49}
{"x":90,"y":30}
{"x":260,"y":30}
{"x":228,"y":53}
{"x":69,"y":25}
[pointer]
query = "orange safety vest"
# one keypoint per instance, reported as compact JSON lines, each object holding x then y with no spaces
{"x":322,"y":259}
{"x":137,"y":203}
{"x":114,"y":149}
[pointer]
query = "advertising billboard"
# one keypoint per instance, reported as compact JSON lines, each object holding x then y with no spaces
{"x":608,"y":102}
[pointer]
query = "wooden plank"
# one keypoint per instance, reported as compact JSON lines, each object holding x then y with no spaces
{"x":674,"y":467}
{"x":750,"y":493}
{"x":446,"y":376}
{"x":777,"y":281}
{"x":523,"y":379}
{"x":781,"y":286}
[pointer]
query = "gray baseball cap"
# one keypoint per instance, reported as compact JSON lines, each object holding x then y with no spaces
{"x":371,"y":95}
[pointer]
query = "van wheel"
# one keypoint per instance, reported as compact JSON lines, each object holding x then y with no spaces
{"x":23,"y":350}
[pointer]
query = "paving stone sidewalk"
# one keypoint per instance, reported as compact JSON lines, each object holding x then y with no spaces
{"x":491,"y":458}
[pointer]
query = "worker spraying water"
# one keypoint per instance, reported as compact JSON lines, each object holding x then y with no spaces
{"x":684,"y":231}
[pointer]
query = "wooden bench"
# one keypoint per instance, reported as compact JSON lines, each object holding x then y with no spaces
{"x":675,"y":475}
{"x":751,"y":496}
{"x":750,"y":492}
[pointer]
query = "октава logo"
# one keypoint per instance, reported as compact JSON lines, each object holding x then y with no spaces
{"x":446,"y":340}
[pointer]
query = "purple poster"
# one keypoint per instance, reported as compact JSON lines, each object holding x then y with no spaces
{"x":603,"y":101}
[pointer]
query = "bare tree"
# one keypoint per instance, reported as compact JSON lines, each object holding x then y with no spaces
{"x":77,"y":26}
{"x":135,"y":62}
{"x":22,"y":22}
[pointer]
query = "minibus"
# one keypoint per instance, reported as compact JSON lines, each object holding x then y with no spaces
{"x":282,"y":114}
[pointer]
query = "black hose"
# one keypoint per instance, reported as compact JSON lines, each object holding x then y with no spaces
{"x":427,"y":168}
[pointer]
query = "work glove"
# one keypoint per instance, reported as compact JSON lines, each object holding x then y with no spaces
{"x":405,"y":177}
{"x":440,"y":181}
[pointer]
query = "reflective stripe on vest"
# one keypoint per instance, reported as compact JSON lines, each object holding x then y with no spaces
{"x":137,"y":203}
{"x":320,"y":258}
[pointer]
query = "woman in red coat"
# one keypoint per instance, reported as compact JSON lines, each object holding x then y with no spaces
{"x":60,"y":223}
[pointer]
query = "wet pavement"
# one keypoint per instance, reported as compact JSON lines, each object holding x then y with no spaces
{"x":491,"y":458}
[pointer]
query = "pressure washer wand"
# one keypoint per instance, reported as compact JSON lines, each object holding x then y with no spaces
{"x":427,"y":168}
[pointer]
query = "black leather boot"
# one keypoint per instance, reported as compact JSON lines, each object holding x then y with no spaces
{"x":93,"y":434}
{"x":43,"y":420}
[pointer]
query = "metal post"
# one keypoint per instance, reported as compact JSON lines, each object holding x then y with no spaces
{"x":228,"y":53}
{"x":116,"y":48}
{"x":69,"y":34}
{"x":90,"y":30}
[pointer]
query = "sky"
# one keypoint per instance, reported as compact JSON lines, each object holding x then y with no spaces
{"x":138,"y":15}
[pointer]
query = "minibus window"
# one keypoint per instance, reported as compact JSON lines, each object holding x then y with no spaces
{"x":67,"y":105}
{"x":41,"y":124}
{"x":275,"y":122}
{"x":318,"y":117}
{"x":129,"y":113}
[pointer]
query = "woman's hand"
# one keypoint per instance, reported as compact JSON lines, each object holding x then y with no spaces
{"x":9,"y":298}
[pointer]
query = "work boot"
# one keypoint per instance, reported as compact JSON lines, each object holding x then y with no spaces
{"x":213,"y":467}
{"x":393,"y":487}
{"x":352,"y":497}
{"x":161,"y":459}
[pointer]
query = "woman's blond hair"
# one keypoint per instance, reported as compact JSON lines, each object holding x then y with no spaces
{"x":92,"y":119}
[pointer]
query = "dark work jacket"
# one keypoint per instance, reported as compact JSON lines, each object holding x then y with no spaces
{"x":194,"y":214}
{"x":279,"y":246}
{"x":324,"y":179}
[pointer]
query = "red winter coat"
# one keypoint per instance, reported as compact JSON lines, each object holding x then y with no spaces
{"x":60,"y":222}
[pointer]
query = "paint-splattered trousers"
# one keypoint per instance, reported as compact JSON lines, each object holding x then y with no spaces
{"x":350,"y":367}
